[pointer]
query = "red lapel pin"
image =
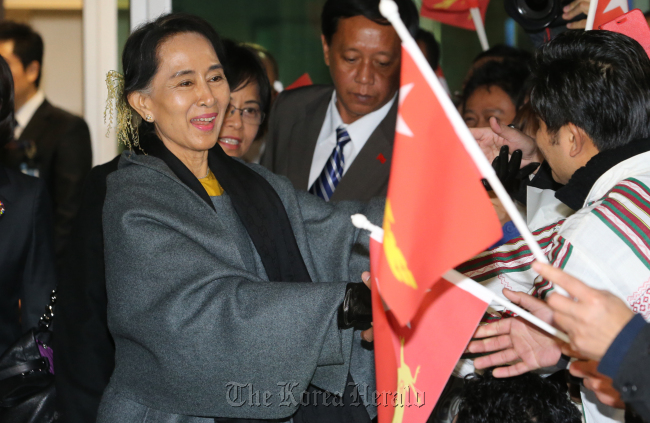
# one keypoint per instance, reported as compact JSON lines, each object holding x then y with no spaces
{"x":381,"y":158}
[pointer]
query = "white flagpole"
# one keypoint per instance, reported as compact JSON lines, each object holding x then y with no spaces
{"x":591,"y":16}
{"x":389,"y":10}
{"x":480,"y":28}
{"x":467,"y":284}
{"x":482,"y":292}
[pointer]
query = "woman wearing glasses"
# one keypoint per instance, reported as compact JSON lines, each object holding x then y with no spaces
{"x":250,"y":97}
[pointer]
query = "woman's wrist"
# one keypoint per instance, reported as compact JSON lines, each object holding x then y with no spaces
{"x":356,"y":309}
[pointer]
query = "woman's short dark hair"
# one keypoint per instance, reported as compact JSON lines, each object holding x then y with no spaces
{"x":243,"y":66}
{"x":597,"y":80}
{"x":333,"y":10}
{"x":509,"y":75}
{"x":140,"y":57}
{"x":7,"y":121}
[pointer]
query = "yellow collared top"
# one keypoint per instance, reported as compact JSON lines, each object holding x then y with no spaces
{"x":211,"y":185}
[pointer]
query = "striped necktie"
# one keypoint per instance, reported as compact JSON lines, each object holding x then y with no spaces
{"x":332,"y":173}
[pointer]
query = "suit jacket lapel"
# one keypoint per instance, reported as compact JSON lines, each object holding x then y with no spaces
{"x":367,"y":172}
{"x":304,"y":136}
{"x":35,"y":127}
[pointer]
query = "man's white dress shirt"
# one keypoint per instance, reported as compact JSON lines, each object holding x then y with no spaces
{"x":359,"y":131}
{"x":25,"y":113}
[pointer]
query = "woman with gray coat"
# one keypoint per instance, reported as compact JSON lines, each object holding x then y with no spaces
{"x":225,"y":285}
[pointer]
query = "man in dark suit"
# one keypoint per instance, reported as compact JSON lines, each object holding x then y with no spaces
{"x":337,"y":141}
{"x":50,"y":143}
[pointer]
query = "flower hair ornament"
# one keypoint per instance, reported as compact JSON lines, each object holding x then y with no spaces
{"x":2,"y":209}
{"x":126,"y":122}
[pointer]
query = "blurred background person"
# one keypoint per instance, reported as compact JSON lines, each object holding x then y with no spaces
{"x":347,"y":128}
{"x":250,"y":98}
{"x":244,"y":66}
{"x":429,"y":47}
{"x":495,"y":89}
{"x":49,"y":143}
{"x":27,"y":275}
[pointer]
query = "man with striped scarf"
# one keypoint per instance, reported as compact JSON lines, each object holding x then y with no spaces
{"x":591,"y":93}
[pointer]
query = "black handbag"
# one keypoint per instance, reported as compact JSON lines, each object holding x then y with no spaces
{"x":27,"y":393}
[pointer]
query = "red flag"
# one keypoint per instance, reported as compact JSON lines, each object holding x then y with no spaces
{"x":453,"y":12}
{"x":414,"y":363}
{"x":303,"y":81}
{"x":438,"y":214}
{"x":608,"y":10}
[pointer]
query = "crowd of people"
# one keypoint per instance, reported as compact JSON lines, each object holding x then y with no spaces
{"x":192,"y":281}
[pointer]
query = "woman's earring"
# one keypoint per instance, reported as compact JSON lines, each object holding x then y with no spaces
{"x":149,"y":118}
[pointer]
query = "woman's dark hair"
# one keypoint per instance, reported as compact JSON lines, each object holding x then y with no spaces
{"x":7,"y":121}
{"x":521,"y":399}
{"x":333,"y":10}
{"x":509,"y":75}
{"x":502,"y":51}
{"x":140,"y":57}
{"x":597,"y":80}
{"x":242,"y":67}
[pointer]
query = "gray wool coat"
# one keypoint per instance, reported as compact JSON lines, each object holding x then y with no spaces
{"x":198,"y":328}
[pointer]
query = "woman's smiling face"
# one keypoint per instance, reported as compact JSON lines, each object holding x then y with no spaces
{"x":188,"y":96}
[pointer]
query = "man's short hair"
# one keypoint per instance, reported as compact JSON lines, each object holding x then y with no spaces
{"x":28,"y":44}
{"x":597,"y":80}
{"x":520,"y":399}
{"x":338,"y":9}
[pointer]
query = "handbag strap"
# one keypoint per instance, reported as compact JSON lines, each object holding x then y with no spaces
{"x":33,"y":365}
{"x":46,"y":319}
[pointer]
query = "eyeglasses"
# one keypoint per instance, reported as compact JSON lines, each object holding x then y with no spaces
{"x":250,"y":115}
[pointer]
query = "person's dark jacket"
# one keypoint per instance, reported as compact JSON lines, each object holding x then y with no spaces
{"x":627,"y":362}
{"x":85,"y":352}
{"x":26,"y":254}
{"x":63,"y":158}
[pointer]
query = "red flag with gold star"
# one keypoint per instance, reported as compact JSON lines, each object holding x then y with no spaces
{"x":414,"y":362}
{"x":453,"y":12}
{"x":438,"y":214}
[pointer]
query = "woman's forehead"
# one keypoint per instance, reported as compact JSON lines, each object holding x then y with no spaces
{"x":187,"y":50}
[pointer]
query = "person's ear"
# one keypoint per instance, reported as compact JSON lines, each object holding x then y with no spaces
{"x":141,"y":102}
{"x":32,"y":71}
{"x":578,"y":139}
{"x":326,"y":49}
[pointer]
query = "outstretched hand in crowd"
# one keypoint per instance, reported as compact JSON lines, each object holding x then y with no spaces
{"x":515,"y":340}
{"x":497,"y":135}
{"x":592,"y":318}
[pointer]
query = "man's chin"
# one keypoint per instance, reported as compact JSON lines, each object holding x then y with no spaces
{"x":357,"y":110}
